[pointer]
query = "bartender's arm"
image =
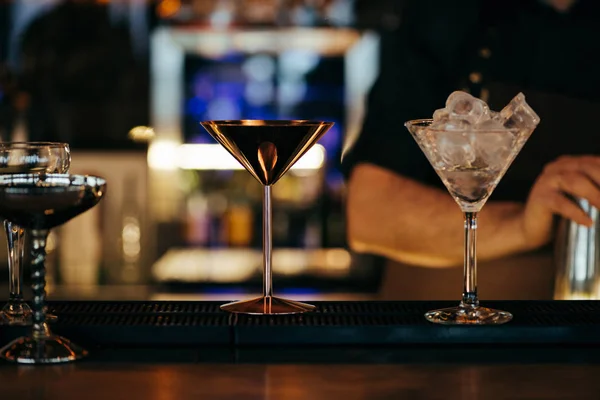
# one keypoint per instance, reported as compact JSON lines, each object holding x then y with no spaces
{"x":402,"y":219}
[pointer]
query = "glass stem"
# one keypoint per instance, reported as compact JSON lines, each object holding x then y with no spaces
{"x":267,"y":243}
{"x":15,"y":238}
{"x":38,"y":282}
{"x":469,"y":297}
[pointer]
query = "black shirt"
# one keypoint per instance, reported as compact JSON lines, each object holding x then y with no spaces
{"x":493,"y":49}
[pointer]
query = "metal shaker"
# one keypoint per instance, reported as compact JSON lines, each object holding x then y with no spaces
{"x":577,"y":257}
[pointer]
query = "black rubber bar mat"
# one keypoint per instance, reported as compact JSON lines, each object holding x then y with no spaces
{"x":182,"y":324}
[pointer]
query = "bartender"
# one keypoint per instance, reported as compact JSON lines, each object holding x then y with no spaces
{"x":397,"y":206}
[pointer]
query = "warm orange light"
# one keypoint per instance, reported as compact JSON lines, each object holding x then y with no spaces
{"x":141,"y":133}
{"x":168,"y":8}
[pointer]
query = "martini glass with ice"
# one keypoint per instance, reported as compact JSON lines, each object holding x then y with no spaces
{"x":471,"y":147}
{"x":267,"y":149}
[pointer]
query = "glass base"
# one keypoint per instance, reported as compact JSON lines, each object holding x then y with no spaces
{"x":267,"y":306}
{"x":468,"y":315}
{"x":18,"y":313}
{"x":50,"y":350}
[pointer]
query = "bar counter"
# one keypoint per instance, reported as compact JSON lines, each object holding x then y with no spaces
{"x":346,"y":350}
{"x":91,"y":380}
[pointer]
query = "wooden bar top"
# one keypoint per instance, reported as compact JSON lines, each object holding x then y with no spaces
{"x":106,"y":381}
{"x":344,"y":350}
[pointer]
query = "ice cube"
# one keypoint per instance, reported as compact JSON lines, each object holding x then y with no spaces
{"x":518,"y":114}
{"x":492,"y":124}
{"x":463,"y":106}
{"x":441,"y":115}
{"x":442,"y":121}
{"x":451,"y":125}
{"x":466,"y":133}
{"x":495,"y":115}
{"x":451,"y":149}
{"x":495,"y":148}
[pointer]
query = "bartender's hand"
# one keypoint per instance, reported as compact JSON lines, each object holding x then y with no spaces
{"x":575,"y":175}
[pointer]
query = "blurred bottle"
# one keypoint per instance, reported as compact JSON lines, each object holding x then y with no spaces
{"x":130,"y":242}
{"x":313,"y":232}
{"x":217,"y":207}
{"x":52,"y":245}
{"x":240,"y":222}
{"x":239,"y":217}
{"x":197,"y":220}
{"x":20,"y":133}
{"x":80,"y":250}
